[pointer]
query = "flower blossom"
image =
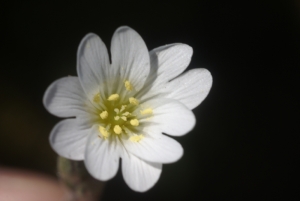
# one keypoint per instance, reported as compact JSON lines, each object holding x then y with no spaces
{"x":124,"y":108}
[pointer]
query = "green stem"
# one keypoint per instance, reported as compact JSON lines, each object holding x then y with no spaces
{"x":81,"y":184}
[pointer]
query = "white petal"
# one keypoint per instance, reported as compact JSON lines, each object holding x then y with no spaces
{"x":101,"y":157}
{"x":92,"y":64}
{"x":171,"y":116}
{"x":155,"y":147}
{"x":191,"y":88}
{"x":65,"y":98}
{"x":138,"y":174}
{"x":169,"y":61}
{"x":68,"y":138}
{"x":130,"y":56}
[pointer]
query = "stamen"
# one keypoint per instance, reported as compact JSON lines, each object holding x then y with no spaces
{"x":97,"y":98}
{"x":147,"y":111}
{"x":104,"y":132}
{"x":134,"y":122}
{"x":117,"y":118}
{"x":133,"y":101}
{"x":117,"y":110}
{"x":124,"y":128}
{"x":126,"y":114}
{"x":136,"y":138}
{"x":128,"y":86}
{"x":124,"y":118}
{"x":113,"y":97}
{"x":104,"y":115}
{"x":127,"y":131}
{"x":117,"y":129}
{"x":123,"y":108}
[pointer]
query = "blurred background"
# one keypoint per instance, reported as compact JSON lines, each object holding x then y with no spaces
{"x":244,"y":144}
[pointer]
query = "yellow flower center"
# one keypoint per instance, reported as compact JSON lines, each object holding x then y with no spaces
{"x":120,"y":114}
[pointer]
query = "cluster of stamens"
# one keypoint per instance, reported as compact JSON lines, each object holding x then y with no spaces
{"x":120,"y":117}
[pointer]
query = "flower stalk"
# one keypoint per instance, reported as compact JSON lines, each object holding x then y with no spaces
{"x":75,"y":177}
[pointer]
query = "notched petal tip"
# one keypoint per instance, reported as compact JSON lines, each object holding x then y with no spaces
{"x":124,"y":28}
{"x":178,"y":48}
{"x":68,"y":139}
{"x":140,"y":175}
{"x":88,"y":37}
{"x":50,"y":93}
{"x":130,"y":57}
{"x":191,"y":88}
{"x":64,"y":97}
{"x":92,"y":63}
{"x":101,"y":156}
{"x":169,"y":61}
{"x":172,"y":116}
{"x":83,"y":43}
{"x":188,"y":124}
{"x":155,"y":148}
{"x":207,"y":75}
{"x":184,"y":48}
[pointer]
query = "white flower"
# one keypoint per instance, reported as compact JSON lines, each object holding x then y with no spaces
{"x":123,"y":108}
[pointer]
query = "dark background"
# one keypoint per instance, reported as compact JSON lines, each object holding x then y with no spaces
{"x":244,"y":144}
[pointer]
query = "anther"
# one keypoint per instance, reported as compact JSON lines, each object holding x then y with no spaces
{"x":147,"y":111}
{"x":117,"y":129}
{"x":96,"y":98}
{"x":116,"y":118}
{"x":128,"y":86}
{"x":117,"y":110}
{"x":113,"y":97}
{"x":104,"y":115}
{"x":126,"y":114}
{"x":104,"y":132}
{"x":123,"y":108}
{"x":136,"y":138}
{"x":133,"y":101}
{"x":134,"y":122}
